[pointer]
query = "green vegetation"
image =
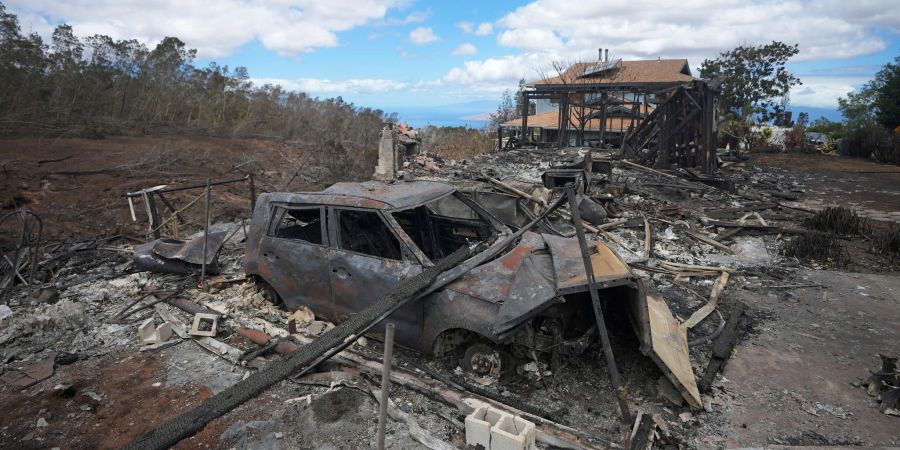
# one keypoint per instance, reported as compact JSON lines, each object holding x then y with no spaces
{"x":756,"y":81}
{"x":96,"y":86}
{"x":871,"y":127}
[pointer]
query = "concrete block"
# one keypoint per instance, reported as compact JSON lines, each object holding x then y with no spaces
{"x":204,"y":325}
{"x":513,"y":433}
{"x":163,"y":332}
{"x":479,"y":424}
{"x":147,"y":332}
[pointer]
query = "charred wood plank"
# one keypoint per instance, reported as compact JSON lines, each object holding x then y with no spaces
{"x":722,"y":347}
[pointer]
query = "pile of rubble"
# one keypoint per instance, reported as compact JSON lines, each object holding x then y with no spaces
{"x":700,"y":241}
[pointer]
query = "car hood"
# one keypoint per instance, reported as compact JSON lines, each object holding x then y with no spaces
{"x":535,"y":273}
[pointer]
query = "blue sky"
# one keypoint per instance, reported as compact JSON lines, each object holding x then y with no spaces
{"x":441,"y":62}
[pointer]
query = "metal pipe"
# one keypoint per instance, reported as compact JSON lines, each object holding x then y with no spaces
{"x":598,"y":310}
{"x":205,"y":237}
{"x":385,"y":382}
{"x":185,"y":188}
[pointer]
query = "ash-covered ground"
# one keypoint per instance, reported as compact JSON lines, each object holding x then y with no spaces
{"x":813,"y":328}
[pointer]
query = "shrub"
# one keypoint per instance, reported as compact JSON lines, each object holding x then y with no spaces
{"x":871,"y":142}
{"x":824,"y":248}
{"x":837,"y":219}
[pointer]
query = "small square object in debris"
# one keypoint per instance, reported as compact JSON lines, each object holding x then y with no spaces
{"x":204,"y":325}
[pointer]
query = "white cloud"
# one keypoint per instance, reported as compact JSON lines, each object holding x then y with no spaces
{"x":699,"y":29}
{"x":465,"y":26}
{"x":284,"y":26}
{"x":422,"y":36}
{"x":465,"y":49}
{"x":543,"y":31}
{"x":484,"y":29}
{"x":823,"y":91}
{"x":413,"y":17}
{"x":319,"y":86}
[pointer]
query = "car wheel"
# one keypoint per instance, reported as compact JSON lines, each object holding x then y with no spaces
{"x":483,"y":359}
{"x":267,"y":291}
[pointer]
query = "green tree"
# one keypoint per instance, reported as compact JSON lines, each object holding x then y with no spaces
{"x":887,"y":86}
{"x":756,"y":79}
{"x":859,"y":107}
{"x":506,"y":111}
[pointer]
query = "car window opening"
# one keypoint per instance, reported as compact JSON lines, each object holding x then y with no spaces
{"x":442,"y":226}
{"x":365,"y":232}
{"x":300,"y":224}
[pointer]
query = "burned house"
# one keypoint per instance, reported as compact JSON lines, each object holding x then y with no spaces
{"x":656,"y":111}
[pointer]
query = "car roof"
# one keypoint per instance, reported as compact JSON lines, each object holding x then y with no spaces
{"x":370,"y":194}
{"x":396,"y":195}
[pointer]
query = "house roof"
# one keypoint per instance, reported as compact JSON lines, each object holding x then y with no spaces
{"x":549,"y":120}
{"x":640,"y":71}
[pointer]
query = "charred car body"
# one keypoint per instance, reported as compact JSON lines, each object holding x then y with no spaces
{"x":339,"y":250}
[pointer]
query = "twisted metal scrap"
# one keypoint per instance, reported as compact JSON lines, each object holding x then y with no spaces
{"x":25,"y":252}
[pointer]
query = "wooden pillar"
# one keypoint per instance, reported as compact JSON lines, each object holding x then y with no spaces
{"x":707,"y":130}
{"x":499,"y":138}
{"x":663,"y":140}
{"x":603,"y":98}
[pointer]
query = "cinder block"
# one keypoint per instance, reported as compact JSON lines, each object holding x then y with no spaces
{"x":204,"y":325}
{"x":163,"y":332}
{"x":513,"y":433}
{"x":147,"y":332}
{"x":479,"y":423}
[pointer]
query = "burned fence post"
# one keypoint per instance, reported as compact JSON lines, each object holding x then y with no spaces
{"x":205,"y":236}
{"x":598,"y":310}
{"x":252,"y":193}
{"x":152,"y":213}
{"x":385,"y":382}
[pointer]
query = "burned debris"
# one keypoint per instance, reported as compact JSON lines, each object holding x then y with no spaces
{"x":638,"y":288}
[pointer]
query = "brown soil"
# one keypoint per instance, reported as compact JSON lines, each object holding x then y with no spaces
{"x":841,"y":180}
{"x":130,"y":405}
{"x":76,"y":185}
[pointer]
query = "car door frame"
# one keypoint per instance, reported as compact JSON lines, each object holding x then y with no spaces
{"x":347,"y":300}
{"x":291,"y":262}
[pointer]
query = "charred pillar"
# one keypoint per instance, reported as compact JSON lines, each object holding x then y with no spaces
{"x":663,"y":139}
{"x":525,"y":103}
{"x":602,"y":124}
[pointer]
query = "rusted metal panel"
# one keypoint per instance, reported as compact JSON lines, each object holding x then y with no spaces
{"x":299,"y":272}
{"x":359,"y":280}
{"x":491,"y":282}
{"x":609,"y":268}
{"x":168,"y":255}
{"x":190,"y":251}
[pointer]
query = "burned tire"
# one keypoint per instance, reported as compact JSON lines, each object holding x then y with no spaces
{"x":483,"y":359}
{"x":267,"y":291}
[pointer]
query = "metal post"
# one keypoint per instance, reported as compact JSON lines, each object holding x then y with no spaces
{"x":598,"y":310}
{"x":252,"y":194}
{"x":385,"y":382}
{"x":205,"y":237}
{"x":152,"y":214}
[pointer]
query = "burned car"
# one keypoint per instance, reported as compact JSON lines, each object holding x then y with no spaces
{"x":339,"y":250}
